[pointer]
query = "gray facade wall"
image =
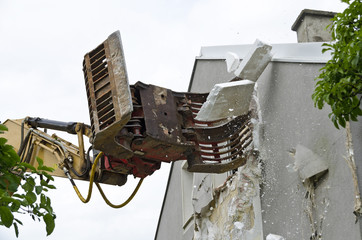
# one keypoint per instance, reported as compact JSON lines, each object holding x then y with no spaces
{"x":207,"y":73}
{"x":170,"y":221}
{"x":288,"y":118}
{"x":356,"y":129}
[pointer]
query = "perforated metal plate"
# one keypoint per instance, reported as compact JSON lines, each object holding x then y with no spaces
{"x":108,"y":92}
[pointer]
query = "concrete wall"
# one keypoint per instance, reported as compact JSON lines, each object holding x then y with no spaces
{"x":288,"y":118}
{"x":356,"y":129}
{"x":208,"y":73}
{"x":170,"y":221}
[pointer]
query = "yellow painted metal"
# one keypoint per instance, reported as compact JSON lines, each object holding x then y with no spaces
{"x":52,"y":154}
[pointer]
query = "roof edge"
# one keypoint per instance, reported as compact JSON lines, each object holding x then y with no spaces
{"x":310,"y":52}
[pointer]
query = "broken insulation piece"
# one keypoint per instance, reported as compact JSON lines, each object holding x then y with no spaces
{"x":226,"y":100}
{"x":274,"y":237}
{"x":232,"y":61}
{"x":308,"y":163}
{"x":255,"y":61}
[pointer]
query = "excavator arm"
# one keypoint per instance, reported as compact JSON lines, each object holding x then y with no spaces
{"x":67,"y":159}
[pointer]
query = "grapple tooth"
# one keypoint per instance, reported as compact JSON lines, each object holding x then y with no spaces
{"x":221,"y":148}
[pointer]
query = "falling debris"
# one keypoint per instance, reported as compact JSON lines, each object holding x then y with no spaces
{"x":255,"y":61}
{"x":227,"y":100}
{"x":202,"y":194}
{"x":308,"y":163}
{"x":274,"y":237}
{"x":232,"y":61}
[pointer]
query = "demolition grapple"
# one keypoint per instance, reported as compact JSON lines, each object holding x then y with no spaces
{"x":139,"y":126}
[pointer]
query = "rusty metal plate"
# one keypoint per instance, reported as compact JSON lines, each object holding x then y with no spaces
{"x":162,"y":120}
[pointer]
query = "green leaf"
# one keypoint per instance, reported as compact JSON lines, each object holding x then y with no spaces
{"x":43,"y":183}
{"x":342,"y":122}
{"x":18,"y":221}
{"x":3,"y":141}
{"x":48,"y":201}
{"x":17,"y":195}
{"x":45,"y":168}
{"x":49,"y":222}
{"x":43,"y":199}
{"x":48,"y":208}
{"x":359,"y":111}
{"x":40,"y":162}
{"x":326,"y":49}
{"x":15,"y":206}
{"x":16,"y":229}
{"x":13,"y":182}
{"x":27,"y":165}
{"x":6,"y":199}
{"x":6,"y":216}
{"x":13,"y":154}
{"x":38,"y":189}
{"x":30,"y":180}
{"x":320,"y":104}
{"x":354,"y":118}
{"x":355,"y":101}
{"x":335,"y":121}
{"x":28,"y":187}
{"x":3,"y":127}
{"x":51,"y":186}
{"x":30,"y":197}
{"x":48,"y":176}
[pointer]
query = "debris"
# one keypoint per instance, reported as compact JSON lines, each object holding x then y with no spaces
{"x":202,"y":194}
{"x":274,"y":237}
{"x":241,"y":202}
{"x":308,"y":163}
{"x":255,"y":61}
{"x":227,"y":100}
{"x":232,"y":61}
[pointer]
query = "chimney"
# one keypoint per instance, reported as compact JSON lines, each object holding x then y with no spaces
{"x":311,"y":26}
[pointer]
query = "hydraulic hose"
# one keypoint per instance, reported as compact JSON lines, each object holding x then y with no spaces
{"x":91,"y":179}
{"x":123,"y":204}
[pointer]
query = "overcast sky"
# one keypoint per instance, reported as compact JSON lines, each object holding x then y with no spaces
{"x":42,"y":44}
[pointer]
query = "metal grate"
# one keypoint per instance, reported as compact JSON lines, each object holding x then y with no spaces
{"x":97,"y":71}
{"x":108,"y":91}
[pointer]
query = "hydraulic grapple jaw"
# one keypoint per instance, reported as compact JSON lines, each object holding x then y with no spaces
{"x":139,"y":126}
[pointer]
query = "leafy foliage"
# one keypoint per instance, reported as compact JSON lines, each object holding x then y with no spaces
{"x":19,"y":191}
{"x":340,"y":82}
